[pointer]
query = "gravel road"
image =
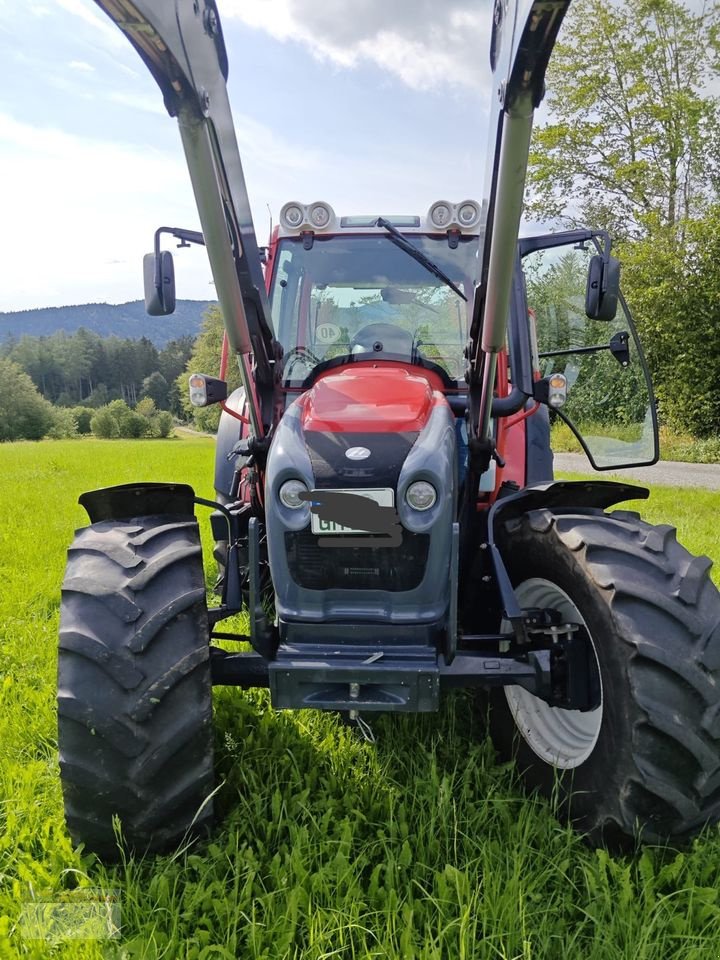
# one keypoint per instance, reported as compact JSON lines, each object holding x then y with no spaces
{"x":667,"y":473}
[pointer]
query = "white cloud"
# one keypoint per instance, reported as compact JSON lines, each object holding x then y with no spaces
{"x":81,"y":66}
{"x":91,"y":202}
{"x":425,"y":43}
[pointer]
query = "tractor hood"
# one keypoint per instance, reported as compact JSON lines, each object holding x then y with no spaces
{"x":379,"y":397}
{"x":378,"y":427}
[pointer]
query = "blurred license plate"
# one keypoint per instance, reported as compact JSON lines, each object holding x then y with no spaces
{"x":384,"y":496}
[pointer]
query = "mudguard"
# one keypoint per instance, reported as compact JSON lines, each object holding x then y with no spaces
{"x":557,"y":496}
{"x":127,"y":500}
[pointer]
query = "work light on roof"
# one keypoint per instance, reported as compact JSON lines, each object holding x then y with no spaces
{"x":299,"y":217}
{"x":468,"y":213}
{"x":292,"y":215}
{"x":320,"y":215}
{"x":454,"y":216}
{"x":441,"y":214}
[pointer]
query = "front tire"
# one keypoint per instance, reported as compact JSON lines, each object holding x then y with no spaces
{"x":646,"y":762}
{"x":134,"y":688}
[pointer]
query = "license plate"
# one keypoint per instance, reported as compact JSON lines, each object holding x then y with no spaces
{"x":384,"y":496}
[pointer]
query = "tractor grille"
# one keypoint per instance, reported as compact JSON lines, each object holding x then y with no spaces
{"x":357,"y":568}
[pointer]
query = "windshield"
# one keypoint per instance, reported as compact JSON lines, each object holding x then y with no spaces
{"x":357,"y":296}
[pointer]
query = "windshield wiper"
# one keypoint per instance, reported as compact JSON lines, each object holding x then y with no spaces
{"x":401,"y":241}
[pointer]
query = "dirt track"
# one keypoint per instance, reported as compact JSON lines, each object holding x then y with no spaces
{"x":667,"y":473}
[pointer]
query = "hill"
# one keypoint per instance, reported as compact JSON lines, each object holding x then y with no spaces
{"x":106,"y":319}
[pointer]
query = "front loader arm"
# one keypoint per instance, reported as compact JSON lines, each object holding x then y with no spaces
{"x":524,"y":34}
{"x":181,"y":43}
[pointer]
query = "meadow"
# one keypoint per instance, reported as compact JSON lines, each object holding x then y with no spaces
{"x":419,"y":847}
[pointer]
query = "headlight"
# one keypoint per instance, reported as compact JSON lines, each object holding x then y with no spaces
{"x":421,"y":495}
{"x":289,"y":494}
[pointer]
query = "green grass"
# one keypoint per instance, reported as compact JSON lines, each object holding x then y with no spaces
{"x":419,"y":847}
{"x":673,"y":446}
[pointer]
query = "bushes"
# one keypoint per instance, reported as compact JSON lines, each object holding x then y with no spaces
{"x":118,"y":420}
{"x":161,"y":424}
{"x":104,"y":424}
{"x":82,"y":417}
{"x":24,"y":414}
{"x":64,"y":424}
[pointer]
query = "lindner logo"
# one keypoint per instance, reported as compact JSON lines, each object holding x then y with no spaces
{"x":357,"y":453}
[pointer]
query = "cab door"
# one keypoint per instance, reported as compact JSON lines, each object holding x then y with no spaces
{"x":610,"y":405}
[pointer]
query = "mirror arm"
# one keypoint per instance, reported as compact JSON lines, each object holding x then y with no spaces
{"x":572,"y":350}
{"x":180,"y":233}
{"x":618,"y":346}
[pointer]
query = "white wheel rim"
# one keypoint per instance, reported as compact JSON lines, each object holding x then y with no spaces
{"x":562,"y":738}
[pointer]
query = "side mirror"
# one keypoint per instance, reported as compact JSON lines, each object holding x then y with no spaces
{"x":159,"y":280}
{"x":603,"y":288}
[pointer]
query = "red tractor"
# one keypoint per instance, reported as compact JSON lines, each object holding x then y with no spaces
{"x":385,"y":503}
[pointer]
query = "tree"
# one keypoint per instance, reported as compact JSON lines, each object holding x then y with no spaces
{"x":161,"y":424}
{"x":83,"y":417}
{"x":104,"y":424}
{"x":173,"y":359}
{"x":146,"y":356}
{"x":131,"y":425}
{"x":98,"y":398}
{"x":64,"y":424}
{"x":155,"y":387}
{"x":24,"y":414}
{"x":146,"y":407}
{"x":206,"y":359}
{"x":633,"y":130}
{"x":174,"y":356}
{"x":676,"y":300}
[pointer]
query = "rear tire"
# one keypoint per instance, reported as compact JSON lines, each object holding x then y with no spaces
{"x":134,"y":688}
{"x":647,"y":761}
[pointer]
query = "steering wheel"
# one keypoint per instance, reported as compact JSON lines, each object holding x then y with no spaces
{"x":382,"y":337}
{"x":299,"y":355}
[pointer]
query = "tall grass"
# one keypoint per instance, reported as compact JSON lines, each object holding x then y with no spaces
{"x":328,"y":847}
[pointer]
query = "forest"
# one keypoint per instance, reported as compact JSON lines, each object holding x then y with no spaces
{"x":85,"y":368}
{"x":55,"y":385}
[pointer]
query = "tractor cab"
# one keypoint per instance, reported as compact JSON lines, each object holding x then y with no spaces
{"x":351,"y":289}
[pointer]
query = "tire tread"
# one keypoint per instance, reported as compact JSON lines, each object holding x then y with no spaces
{"x":644,"y":576}
{"x":135,"y":708}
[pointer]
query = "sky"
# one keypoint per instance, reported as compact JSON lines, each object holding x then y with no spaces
{"x":376,"y":106}
{"x":371,"y":105}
